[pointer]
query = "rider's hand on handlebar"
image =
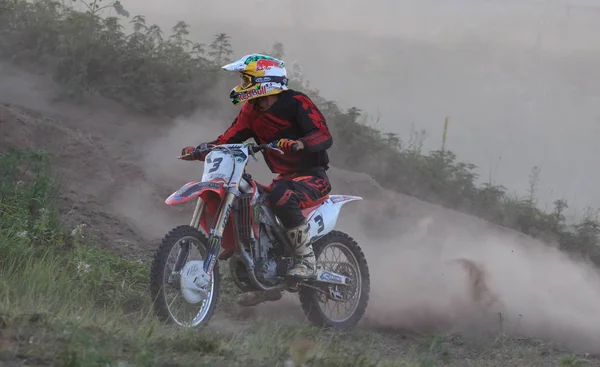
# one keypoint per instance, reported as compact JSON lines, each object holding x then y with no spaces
{"x":190,"y":153}
{"x":288,"y":145}
{"x":187,"y":154}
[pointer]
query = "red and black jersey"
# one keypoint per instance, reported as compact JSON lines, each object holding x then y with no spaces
{"x":293,"y":116}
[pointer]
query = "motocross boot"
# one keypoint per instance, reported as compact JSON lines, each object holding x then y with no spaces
{"x":305,"y":264}
{"x":253,"y":298}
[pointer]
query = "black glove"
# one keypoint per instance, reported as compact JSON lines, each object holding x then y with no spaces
{"x":203,"y":146}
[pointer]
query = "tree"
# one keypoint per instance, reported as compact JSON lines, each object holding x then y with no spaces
{"x":277,"y":51}
{"x":220,"y":49}
{"x":558,"y":215}
{"x":534,"y":179}
{"x":353,"y":114}
{"x":392,"y":140}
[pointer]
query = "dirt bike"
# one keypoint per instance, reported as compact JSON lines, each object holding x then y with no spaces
{"x":232,"y":212}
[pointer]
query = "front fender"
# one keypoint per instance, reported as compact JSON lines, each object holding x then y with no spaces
{"x":193,"y":190}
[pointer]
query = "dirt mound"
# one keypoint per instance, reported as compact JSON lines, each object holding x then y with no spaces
{"x":81,"y":166}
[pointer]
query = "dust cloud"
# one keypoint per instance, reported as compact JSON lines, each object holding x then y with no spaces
{"x":432,"y":269}
{"x":435,"y":270}
{"x":443,"y":271}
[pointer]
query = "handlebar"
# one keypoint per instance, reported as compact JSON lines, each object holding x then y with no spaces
{"x":252,"y":147}
{"x":271,"y":145}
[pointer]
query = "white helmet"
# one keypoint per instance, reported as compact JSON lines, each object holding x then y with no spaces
{"x":262,"y":76}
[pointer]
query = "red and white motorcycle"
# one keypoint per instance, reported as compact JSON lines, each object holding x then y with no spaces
{"x":232,"y":212}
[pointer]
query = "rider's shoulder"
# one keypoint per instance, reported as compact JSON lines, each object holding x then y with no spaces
{"x":295,"y":93}
{"x":296,"y":96}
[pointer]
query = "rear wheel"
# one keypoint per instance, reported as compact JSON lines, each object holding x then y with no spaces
{"x":182,"y":248}
{"x":336,"y":305}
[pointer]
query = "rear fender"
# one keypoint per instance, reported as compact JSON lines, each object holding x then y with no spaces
{"x":324,"y":218}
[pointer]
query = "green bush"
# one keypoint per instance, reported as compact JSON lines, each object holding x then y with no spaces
{"x":41,"y":263}
{"x":143,"y":70}
{"x":88,"y":53}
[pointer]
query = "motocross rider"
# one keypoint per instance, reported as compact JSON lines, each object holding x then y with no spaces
{"x":276,"y":113}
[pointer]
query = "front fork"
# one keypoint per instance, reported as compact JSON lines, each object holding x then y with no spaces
{"x":216,"y":234}
{"x":184,"y":248}
{"x":214,"y":239}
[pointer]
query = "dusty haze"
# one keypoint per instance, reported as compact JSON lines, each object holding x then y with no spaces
{"x":509,"y":94}
{"x":518,"y":79}
{"x":432,"y":269}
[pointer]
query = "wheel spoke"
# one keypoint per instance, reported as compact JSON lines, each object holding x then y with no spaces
{"x":174,"y":298}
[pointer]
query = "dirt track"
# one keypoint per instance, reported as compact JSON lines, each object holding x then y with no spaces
{"x":433,"y":269}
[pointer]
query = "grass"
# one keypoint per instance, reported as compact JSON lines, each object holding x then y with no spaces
{"x":64,"y":302}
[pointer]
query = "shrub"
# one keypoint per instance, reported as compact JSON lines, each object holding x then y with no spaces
{"x":89,"y":53}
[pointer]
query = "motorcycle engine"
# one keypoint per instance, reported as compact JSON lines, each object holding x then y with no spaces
{"x":270,"y":267}
{"x":266,"y":270}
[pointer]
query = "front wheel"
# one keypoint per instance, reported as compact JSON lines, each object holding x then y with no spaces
{"x":182,"y":250}
{"x":322,"y":306}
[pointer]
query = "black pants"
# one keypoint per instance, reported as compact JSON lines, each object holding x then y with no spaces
{"x":289,"y":196}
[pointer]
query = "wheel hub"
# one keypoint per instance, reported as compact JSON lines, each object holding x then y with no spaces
{"x":194,"y":282}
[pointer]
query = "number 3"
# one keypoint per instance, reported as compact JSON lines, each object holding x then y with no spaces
{"x":319,"y":221}
{"x":216,"y":163}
